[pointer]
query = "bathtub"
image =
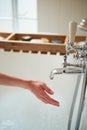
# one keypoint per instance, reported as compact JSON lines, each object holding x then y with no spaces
{"x":20,"y":109}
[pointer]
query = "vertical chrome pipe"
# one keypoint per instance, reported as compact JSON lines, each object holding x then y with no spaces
{"x":82,"y":98}
{"x":73,"y":102}
{"x":81,"y":103}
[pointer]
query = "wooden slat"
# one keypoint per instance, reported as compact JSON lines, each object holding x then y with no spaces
{"x":9,"y":36}
{"x":33,"y":47}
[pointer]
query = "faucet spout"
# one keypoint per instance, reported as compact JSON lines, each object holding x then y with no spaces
{"x":66,"y":70}
{"x":56,"y":71}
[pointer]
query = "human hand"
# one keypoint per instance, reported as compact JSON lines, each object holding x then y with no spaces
{"x":42,"y":91}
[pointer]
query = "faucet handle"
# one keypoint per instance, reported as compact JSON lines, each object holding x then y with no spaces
{"x":72,"y":31}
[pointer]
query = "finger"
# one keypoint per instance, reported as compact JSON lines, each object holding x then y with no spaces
{"x":47,"y":89}
{"x":49,"y":100}
{"x":52,"y":101}
{"x":44,"y":100}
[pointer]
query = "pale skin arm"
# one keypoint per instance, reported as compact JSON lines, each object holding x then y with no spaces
{"x":38,"y":88}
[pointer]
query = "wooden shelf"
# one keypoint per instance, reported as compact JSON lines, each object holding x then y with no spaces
{"x":14,"y":42}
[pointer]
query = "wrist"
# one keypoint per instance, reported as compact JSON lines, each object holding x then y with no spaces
{"x":26,"y":84}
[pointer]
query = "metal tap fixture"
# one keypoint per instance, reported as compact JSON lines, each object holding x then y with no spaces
{"x":80,"y":54}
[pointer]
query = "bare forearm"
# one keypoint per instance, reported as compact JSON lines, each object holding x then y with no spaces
{"x":39,"y":89}
{"x":11,"y":81}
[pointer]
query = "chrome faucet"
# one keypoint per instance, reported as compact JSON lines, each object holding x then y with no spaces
{"x":80,"y":53}
{"x":56,"y":71}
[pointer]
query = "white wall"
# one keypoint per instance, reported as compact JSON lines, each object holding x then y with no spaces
{"x":54,"y":15}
